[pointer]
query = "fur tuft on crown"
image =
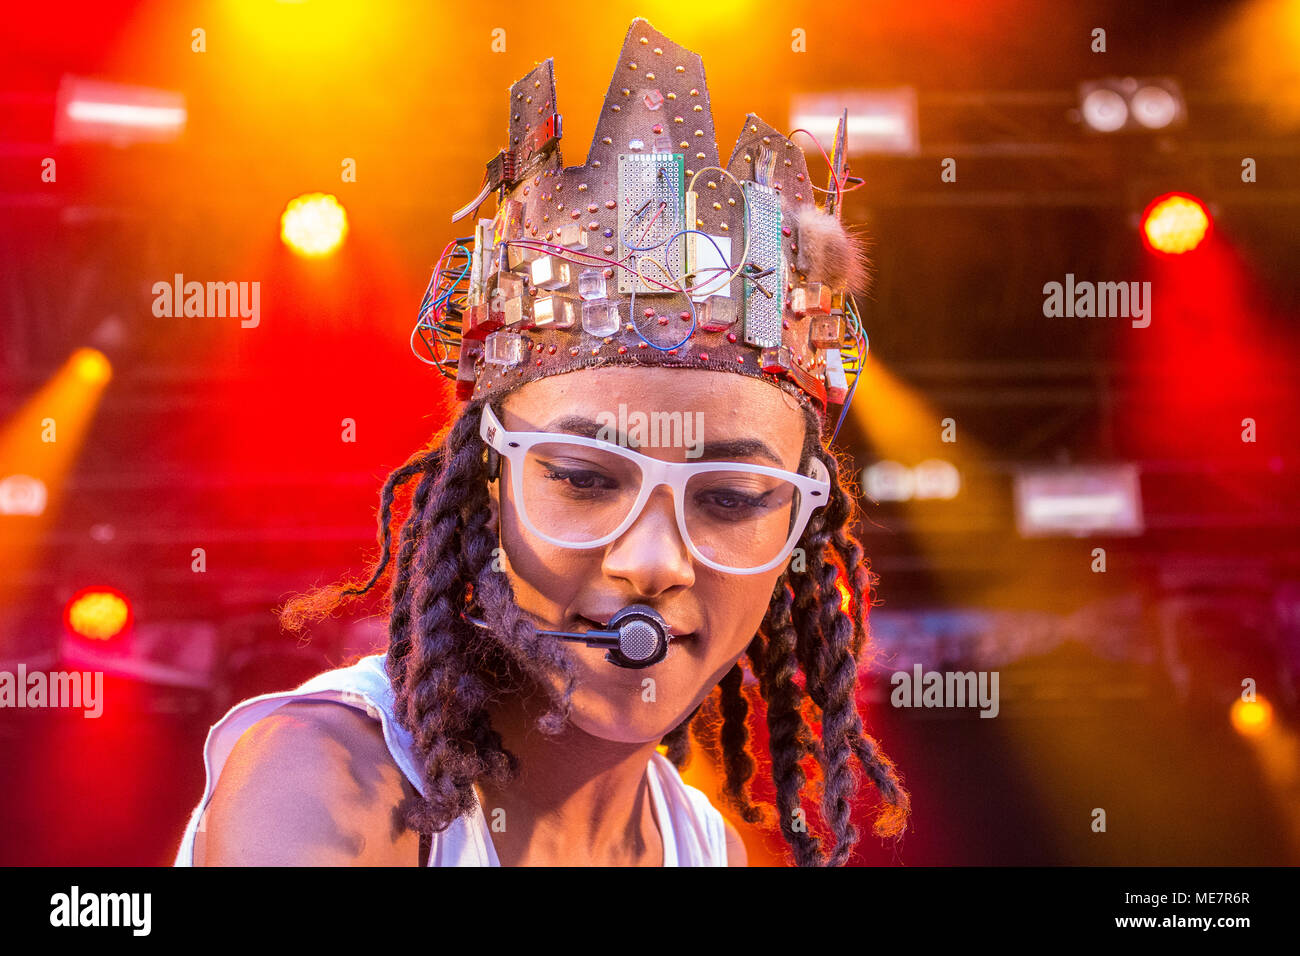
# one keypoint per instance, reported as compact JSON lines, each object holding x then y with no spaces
{"x":828,"y":253}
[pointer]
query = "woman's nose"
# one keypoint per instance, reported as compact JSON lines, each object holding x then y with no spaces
{"x":651,"y":555}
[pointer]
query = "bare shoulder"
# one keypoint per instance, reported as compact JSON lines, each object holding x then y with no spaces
{"x":736,"y":853}
{"x":313,"y":784}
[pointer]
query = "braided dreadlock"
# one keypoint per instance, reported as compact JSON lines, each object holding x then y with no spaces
{"x":445,"y":671}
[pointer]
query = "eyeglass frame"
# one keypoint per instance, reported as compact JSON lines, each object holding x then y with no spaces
{"x":513,"y":446}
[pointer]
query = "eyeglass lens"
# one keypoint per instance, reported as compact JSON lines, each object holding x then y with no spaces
{"x":577,"y":494}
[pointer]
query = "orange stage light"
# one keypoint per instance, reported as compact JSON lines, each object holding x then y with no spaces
{"x":1251,"y":718}
{"x":92,"y":366}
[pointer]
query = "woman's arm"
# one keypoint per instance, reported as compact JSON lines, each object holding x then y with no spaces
{"x":736,"y":855}
{"x":311,"y":785}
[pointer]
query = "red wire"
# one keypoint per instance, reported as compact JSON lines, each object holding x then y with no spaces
{"x":651,"y":223}
{"x":839,"y":185}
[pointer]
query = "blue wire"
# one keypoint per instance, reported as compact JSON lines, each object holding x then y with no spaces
{"x":689,"y":298}
{"x":862,"y":356}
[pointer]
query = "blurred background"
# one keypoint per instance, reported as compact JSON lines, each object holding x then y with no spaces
{"x":1106,"y":515}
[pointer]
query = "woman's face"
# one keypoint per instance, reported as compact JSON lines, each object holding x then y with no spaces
{"x":574,"y":590}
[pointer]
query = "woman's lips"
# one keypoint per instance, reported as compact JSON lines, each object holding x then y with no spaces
{"x":592,"y":624}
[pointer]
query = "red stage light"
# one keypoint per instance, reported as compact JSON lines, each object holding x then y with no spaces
{"x":1175,"y":223}
{"x":98,"y":613}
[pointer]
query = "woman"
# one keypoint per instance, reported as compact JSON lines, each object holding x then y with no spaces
{"x":491,"y":732}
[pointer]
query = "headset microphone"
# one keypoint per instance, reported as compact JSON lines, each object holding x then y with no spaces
{"x":635,"y":636}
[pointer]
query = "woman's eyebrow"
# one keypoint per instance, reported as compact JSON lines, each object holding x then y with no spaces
{"x":711,"y":451}
{"x":574,"y":425}
{"x":740,"y":448}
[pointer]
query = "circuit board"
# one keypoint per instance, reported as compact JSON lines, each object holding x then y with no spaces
{"x":763,"y":312}
{"x":651,"y":208}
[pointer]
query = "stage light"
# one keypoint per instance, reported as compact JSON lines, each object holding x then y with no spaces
{"x":888,"y":481}
{"x":1175,"y":223}
{"x":1078,"y":500}
{"x":937,"y":478}
{"x":92,"y":366}
{"x":933,"y":478}
{"x":22,"y":495}
{"x":1104,"y":110}
{"x":314,"y":225}
{"x":92,"y":110}
{"x":1251,"y":718}
{"x":98,"y":613}
{"x":1154,"y":107}
{"x":1115,"y":104}
{"x":880,"y":121}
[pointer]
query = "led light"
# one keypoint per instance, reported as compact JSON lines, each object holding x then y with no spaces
{"x":515,"y":313}
{"x":825,"y":331}
{"x":713,"y":317}
{"x":565,"y":313}
{"x":599,"y":318}
{"x":520,"y":257}
{"x":815,"y":297}
{"x":550,"y":273}
{"x":553,"y":310}
{"x":591,"y":284}
{"x":572,"y":236}
{"x":776,"y":359}
{"x":837,"y":383}
{"x":504,"y":348}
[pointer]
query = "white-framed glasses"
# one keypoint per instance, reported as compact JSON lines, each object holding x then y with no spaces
{"x":579,"y":492}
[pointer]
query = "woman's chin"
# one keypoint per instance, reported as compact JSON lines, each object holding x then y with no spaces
{"x":623,"y":719}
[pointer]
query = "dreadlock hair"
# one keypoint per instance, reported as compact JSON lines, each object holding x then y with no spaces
{"x":445,"y":671}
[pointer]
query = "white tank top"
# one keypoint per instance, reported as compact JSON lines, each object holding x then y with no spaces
{"x":693,"y":831}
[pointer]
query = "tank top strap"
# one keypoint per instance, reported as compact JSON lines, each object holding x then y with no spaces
{"x":694,"y":832}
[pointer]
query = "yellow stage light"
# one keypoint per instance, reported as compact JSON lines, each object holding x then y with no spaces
{"x":98,"y":613}
{"x":1252,"y":718}
{"x":314,"y":225}
{"x":92,"y":366}
{"x":1175,"y":223}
